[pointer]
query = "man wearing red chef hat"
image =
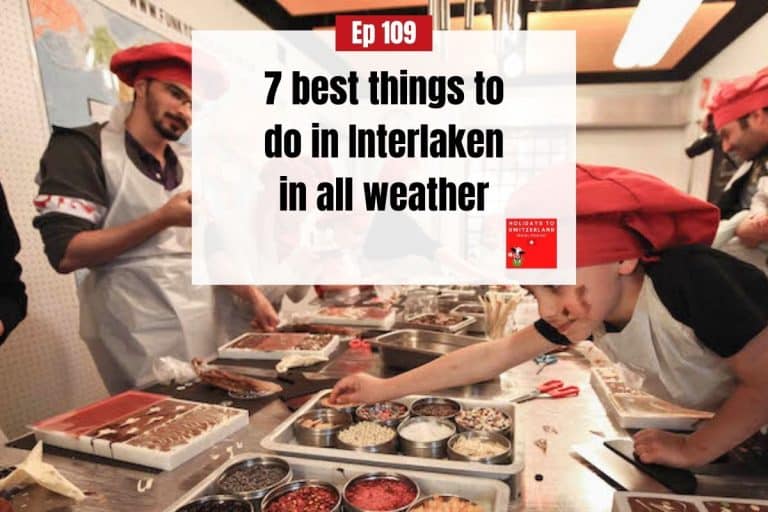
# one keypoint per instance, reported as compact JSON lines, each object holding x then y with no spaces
{"x":739,"y":110}
{"x":115,"y":204}
{"x":653,"y":295}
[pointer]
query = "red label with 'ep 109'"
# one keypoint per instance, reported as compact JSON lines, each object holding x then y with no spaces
{"x":384,"y":33}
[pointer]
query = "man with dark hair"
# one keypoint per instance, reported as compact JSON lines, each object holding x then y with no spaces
{"x":739,"y":111}
{"x":13,"y":298}
{"x":115,"y":199}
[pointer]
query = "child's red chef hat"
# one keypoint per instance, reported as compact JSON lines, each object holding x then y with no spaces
{"x":624,"y":214}
{"x":169,"y":62}
{"x":738,"y":97}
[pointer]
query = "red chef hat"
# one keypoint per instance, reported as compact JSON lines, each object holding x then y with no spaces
{"x":738,"y":97}
{"x":170,"y":62}
{"x":622,"y":214}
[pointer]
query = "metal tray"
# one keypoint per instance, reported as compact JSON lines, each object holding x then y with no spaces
{"x":466,"y":309}
{"x":58,"y":431}
{"x":453,"y":329}
{"x":678,"y":502}
{"x":662,"y":415}
{"x":228,"y":351}
{"x":374,"y":323}
{"x":458,"y":291}
{"x":492,"y":495}
{"x":282,"y":440}
{"x":408,"y":348}
{"x":445,"y":303}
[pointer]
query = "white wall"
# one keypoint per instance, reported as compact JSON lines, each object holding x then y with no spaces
{"x":657,"y":150}
{"x":44,"y":366}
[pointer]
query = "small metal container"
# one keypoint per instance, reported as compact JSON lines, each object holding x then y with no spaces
{"x":504,"y":431}
{"x":500,"y":458}
{"x":416,"y":407}
{"x":256,"y":462}
{"x":321,"y":437}
{"x":385,"y":447}
{"x":408,"y":348}
{"x":443,"y":498}
{"x":347,"y":408}
{"x":416,"y":322}
{"x":436,"y":449}
{"x":284,"y":489}
{"x":367,"y":412}
{"x":470,"y":308}
{"x":476,"y":311}
{"x":348,"y":506}
{"x":218,"y":503}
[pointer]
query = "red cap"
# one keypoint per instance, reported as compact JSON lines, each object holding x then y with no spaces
{"x":737,"y":98}
{"x":622,"y":214}
{"x":170,"y":62}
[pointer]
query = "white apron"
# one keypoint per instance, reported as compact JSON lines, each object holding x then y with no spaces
{"x":666,"y":354}
{"x":142,"y":305}
{"x":726,"y":239}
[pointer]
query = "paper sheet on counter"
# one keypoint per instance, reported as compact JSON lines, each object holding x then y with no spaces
{"x":298,"y":361}
{"x":292,"y":312}
{"x":34,"y":471}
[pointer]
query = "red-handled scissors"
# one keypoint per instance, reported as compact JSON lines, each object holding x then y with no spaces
{"x":550,"y":389}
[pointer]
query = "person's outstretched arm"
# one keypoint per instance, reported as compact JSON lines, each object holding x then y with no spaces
{"x":476,"y":363}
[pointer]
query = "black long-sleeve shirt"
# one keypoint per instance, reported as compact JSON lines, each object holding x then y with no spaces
{"x":13,"y":297}
{"x":73,"y":194}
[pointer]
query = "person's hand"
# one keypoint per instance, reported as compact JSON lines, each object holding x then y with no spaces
{"x":751,"y":231}
{"x":360,"y":388}
{"x":178,"y":210}
{"x":659,"y":447}
{"x":264,"y":315}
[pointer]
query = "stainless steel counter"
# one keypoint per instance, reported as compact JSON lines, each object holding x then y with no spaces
{"x":567,"y":484}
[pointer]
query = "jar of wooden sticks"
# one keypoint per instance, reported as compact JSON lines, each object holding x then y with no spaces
{"x":499,"y":308}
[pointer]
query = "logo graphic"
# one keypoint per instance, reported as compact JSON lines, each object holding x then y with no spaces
{"x":531,"y":243}
{"x":517,"y":256}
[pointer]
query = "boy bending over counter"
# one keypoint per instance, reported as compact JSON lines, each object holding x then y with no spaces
{"x":651,"y":294}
